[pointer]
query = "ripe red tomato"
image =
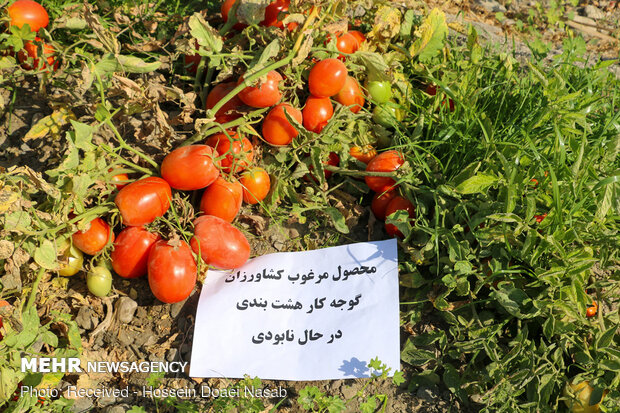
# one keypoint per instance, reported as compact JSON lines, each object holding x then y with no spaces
{"x":432,"y":90}
{"x":94,"y":238}
{"x":273,"y":10}
{"x":172,"y":271}
{"x":380,"y":202}
{"x":219,"y":243}
{"x":385,"y":162}
{"x":226,"y":6}
{"x":190,"y":167}
{"x":351,"y":95}
{"x":222,"y":199}
{"x":359,"y":36}
{"x":120,"y":180}
{"x":592,"y":310}
{"x":31,"y":50}
{"x":363,"y":153}
{"x":256,"y":185}
{"x":264,"y":94}
{"x":28,"y":12}
{"x":238,"y":151}
{"x":540,"y":218}
{"x":142,"y":201}
{"x":191,"y":63}
{"x":277,"y":130}
{"x":396,"y":204}
{"x":228,"y":112}
{"x":131,"y":251}
{"x":316,"y":113}
{"x":347,"y":43}
{"x":327,"y":77}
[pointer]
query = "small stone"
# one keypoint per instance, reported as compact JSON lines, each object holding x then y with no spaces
{"x":176,"y":308}
{"x":84,"y":318}
{"x":172,"y":354}
{"x":593,"y":12}
{"x":126,"y":339}
{"x":133,"y":294}
{"x":348,"y":392}
{"x":491,"y":6}
{"x":293,"y":233}
{"x":426,"y":393}
{"x":126,"y":308}
{"x":82,"y":404}
{"x":278,"y":245}
{"x":106,"y":400}
{"x":121,"y":408}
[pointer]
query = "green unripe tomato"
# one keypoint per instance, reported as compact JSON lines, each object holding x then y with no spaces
{"x":99,"y":281}
{"x":379,"y":91}
{"x":71,"y":261}
{"x":387,"y":114}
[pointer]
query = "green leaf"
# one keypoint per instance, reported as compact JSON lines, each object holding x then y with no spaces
{"x":45,"y":255}
{"x":83,"y":135}
{"x":407,"y":24}
{"x":376,"y":67}
{"x":416,"y":356}
{"x":269,"y":52}
{"x":132,"y":64}
{"x":431,"y":36}
{"x":477,"y":184}
{"x":206,"y":35}
{"x":337,"y":219}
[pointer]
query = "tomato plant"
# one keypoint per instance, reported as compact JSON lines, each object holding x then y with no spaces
{"x":99,"y":281}
{"x":142,"y":201}
{"x":266,"y":93}
{"x":351,"y":95}
{"x":225,"y":10}
{"x":71,"y":260}
{"x":385,"y":162}
{"x":316,"y":113}
{"x":398,"y":203}
{"x":190,"y":167}
{"x":363,"y":153}
{"x":237,"y":151}
{"x":227,"y":112}
{"x":379,"y":91}
{"x":172,"y":271}
{"x":131,"y":251}
{"x":31,"y":51}
{"x":93,"y":239}
{"x":326,"y":78}
{"x":380,"y":202}
{"x":222,"y":199}
{"x":577,"y":397}
{"x":387,"y":114}
{"x":28,"y":12}
{"x":256,"y":185}
{"x":332,"y":159}
{"x":219,"y":243}
{"x":277,"y":130}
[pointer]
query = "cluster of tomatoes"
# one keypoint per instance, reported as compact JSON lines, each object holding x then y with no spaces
{"x":31,"y":13}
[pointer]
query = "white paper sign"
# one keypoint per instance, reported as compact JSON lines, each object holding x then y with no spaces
{"x":311,"y":315}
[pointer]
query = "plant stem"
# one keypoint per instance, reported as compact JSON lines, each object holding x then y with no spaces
{"x":351,"y":172}
{"x":35,"y":287}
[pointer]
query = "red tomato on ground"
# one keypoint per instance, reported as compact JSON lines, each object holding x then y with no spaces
{"x":31,"y":50}
{"x":396,"y":204}
{"x":219,"y":243}
{"x":142,"y":201}
{"x":226,"y":6}
{"x":227,"y":112}
{"x":190,"y":167}
{"x":28,"y":12}
{"x":131,"y":251}
{"x":380,"y":202}
{"x":256,"y":185}
{"x":264,"y":93}
{"x":273,"y":10}
{"x":363,"y":153}
{"x":385,"y":162}
{"x":316,"y":113}
{"x":277,"y":130}
{"x":120,"y":180}
{"x":191,"y":63}
{"x":238,"y":152}
{"x":172,"y":271}
{"x":222,"y":199}
{"x":3,"y":303}
{"x":347,"y":43}
{"x":359,"y":36}
{"x":327,"y":77}
{"x":93,"y":239}
{"x":351,"y":95}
